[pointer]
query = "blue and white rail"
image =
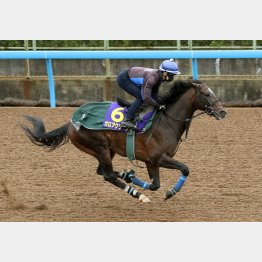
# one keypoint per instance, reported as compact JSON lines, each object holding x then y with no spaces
{"x":166,"y":54}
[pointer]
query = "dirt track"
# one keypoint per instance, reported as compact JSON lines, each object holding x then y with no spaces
{"x":225,"y":183}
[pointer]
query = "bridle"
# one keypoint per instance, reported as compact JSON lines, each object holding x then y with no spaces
{"x":208,"y":109}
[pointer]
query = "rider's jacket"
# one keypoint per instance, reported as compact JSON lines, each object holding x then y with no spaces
{"x":149,"y":80}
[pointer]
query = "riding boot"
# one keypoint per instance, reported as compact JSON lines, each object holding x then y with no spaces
{"x":127,"y":123}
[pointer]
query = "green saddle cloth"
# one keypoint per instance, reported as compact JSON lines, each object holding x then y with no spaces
{"x":92,"y":115}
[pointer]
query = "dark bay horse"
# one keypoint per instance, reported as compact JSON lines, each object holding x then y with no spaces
{"x":156,"y":147}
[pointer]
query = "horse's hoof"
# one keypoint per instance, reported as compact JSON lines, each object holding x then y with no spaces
{"x":144,"y":199}
{"x":169,"y":194}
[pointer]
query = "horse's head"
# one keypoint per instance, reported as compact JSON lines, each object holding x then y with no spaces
{"x":207,"y":101}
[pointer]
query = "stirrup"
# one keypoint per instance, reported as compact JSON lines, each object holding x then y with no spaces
{"x":129,"y":126}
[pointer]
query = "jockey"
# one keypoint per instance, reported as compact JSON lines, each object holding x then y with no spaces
{"x":143,"y":83}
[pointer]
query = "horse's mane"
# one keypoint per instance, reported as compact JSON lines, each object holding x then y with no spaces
{"x":176,"y":91}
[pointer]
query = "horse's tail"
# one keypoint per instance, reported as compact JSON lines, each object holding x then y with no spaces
{"x":37,"y":134}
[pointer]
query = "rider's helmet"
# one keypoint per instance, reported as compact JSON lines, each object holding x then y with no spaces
{"x":169,"y":66}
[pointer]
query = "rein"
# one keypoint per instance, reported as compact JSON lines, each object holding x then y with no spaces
{"x":208,"y":110}
{"x":159,"y":116}
{"x":188,"y":120}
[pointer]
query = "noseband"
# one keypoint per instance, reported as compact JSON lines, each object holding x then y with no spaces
{"x":208,"y":108}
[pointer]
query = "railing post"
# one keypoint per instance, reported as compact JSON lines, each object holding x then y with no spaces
{"x":107,"y":95}
{"x":107,"y":61}
{"x":178,"y":44}
{"x":194,"y":69}
{"x":51,"y":82}
{"x":190,"y":46}
{"x":34,"y":45}
{"x":27,"y":63}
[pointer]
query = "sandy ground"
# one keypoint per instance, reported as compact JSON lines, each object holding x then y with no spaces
{"x":225,"y":183}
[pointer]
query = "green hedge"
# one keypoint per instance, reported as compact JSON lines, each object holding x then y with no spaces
{"x":127,"y":43}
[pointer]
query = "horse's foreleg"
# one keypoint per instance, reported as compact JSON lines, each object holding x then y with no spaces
{"x":168,"y":162}
{"x":153,"y":173}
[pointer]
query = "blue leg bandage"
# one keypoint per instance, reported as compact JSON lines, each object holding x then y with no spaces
{"x":180,"y":183}
{"x":140,"y":183}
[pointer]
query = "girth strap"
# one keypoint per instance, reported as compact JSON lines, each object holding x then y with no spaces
{"x":130,"y":145}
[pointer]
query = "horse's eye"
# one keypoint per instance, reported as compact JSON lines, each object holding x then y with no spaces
{"x":207,"y":94}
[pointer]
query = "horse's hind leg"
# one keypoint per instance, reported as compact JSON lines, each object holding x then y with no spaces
{"x":106,"y":168}
{"x":127,"y":175}
{"x":130,"y":177}
{"x":99,"y":168}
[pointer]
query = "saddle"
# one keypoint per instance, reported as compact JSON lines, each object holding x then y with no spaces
{"x":143,"y":110}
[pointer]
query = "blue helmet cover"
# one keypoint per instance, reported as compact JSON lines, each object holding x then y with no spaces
{"x":170,"y":66}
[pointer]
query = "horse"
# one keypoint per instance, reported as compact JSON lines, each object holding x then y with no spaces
{"x":155,"y":148}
